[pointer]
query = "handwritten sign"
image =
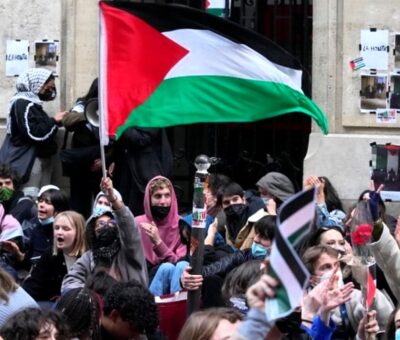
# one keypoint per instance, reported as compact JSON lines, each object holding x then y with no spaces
{"x":374,"y":49}
{"x":17,"y":57}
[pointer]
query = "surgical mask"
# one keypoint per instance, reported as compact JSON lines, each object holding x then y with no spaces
{"x":266,"y":200}
{"x":328,"y":275}
{"x":5,"y":194}
{"x":48,"y":95}
{"x":47,"y":220}
{"x":259,"y":251}
{"x":234,"y":210}
{"x":106,"y":236}
{"x":159,"y":213}
{"x":397,"y":334}
{"x":100,"y":209}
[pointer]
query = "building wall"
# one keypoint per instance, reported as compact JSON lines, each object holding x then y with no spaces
{"x":74,"y":23}
{"x":25,"y":22}
{"x":344,"y":154}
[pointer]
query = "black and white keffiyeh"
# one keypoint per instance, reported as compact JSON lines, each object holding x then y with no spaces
{"x":28,"y":86}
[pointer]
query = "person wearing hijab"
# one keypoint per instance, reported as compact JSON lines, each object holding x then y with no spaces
{"x":29,"y":124}
{"x":101,"y":202}
{"x":161,"y":240}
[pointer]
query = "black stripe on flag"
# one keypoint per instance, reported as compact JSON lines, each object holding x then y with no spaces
{"x":295,"y":205}
{"x":172,"y":17}
{"x":291,"y":258}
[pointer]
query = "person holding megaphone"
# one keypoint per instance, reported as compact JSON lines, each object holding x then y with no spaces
{"x":81,"y":162}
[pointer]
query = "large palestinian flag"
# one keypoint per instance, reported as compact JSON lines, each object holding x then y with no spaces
{"x":164,"y":65}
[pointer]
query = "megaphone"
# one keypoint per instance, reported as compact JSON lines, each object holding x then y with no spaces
{"x":92,"y":112}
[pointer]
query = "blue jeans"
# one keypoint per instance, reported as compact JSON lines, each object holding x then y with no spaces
{"x":166,"y":280}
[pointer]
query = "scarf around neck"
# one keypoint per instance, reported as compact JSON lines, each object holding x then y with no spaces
{"x":28,"y":86}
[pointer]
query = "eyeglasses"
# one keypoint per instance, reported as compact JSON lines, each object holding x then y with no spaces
{"x":102,"y":224}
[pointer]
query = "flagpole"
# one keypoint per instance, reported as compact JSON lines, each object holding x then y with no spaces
{"x":102,"y":136}
{"x":202,"y":163}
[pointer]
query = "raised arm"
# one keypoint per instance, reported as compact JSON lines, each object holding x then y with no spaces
{"x":131,"y":245}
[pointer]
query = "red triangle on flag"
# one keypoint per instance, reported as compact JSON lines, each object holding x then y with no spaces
{"x":137,"y":58}
{"x":371,"y":288}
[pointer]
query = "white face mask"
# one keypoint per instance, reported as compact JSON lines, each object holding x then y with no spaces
{"x":328,"y":275}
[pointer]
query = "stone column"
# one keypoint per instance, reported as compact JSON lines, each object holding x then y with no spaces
{"x":343,"y":155}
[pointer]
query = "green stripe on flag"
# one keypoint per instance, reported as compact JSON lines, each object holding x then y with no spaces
{"x":216,"y":11}
{"x":299,"y":234}
{"x":217,"y":99}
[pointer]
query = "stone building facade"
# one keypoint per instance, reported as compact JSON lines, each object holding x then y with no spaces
{"x":343,"y":155}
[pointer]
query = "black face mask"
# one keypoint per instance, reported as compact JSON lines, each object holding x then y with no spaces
{"x":106,"y":236}
{"x":235,"y":210}
{"x":159,"y":213}
{"x":48,"y":95}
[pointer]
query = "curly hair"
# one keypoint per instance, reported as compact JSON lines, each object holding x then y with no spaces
{"x":125,"y":297}
{"x":7,"y":172}
{"x":27,"y":324}
{"x":159,"y":183}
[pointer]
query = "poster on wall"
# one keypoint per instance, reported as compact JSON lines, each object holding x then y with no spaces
{"x":17,"y":57}
{"x":373,"y":92}
{"x":46,"y":54}
{"x":385,"y":169}
{"x":386,"y":116}
{"x":394,"y":96}
{"x":396,"y":52}
{"x":374,"y":48}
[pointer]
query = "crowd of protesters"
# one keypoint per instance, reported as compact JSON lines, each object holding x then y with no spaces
{"x":99,"y":269}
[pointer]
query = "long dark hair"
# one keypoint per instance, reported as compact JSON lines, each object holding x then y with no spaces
{"x":92,"y":93}
{"x":332,"y":199}
{"x":390,"y":326}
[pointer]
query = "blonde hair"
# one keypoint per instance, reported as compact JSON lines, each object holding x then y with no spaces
{"x":7,"y":285}
{"x":160,"y":183}
{"x":77,"y":221}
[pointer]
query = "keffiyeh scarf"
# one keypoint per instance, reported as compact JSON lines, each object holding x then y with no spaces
{"x":28,"y":86}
